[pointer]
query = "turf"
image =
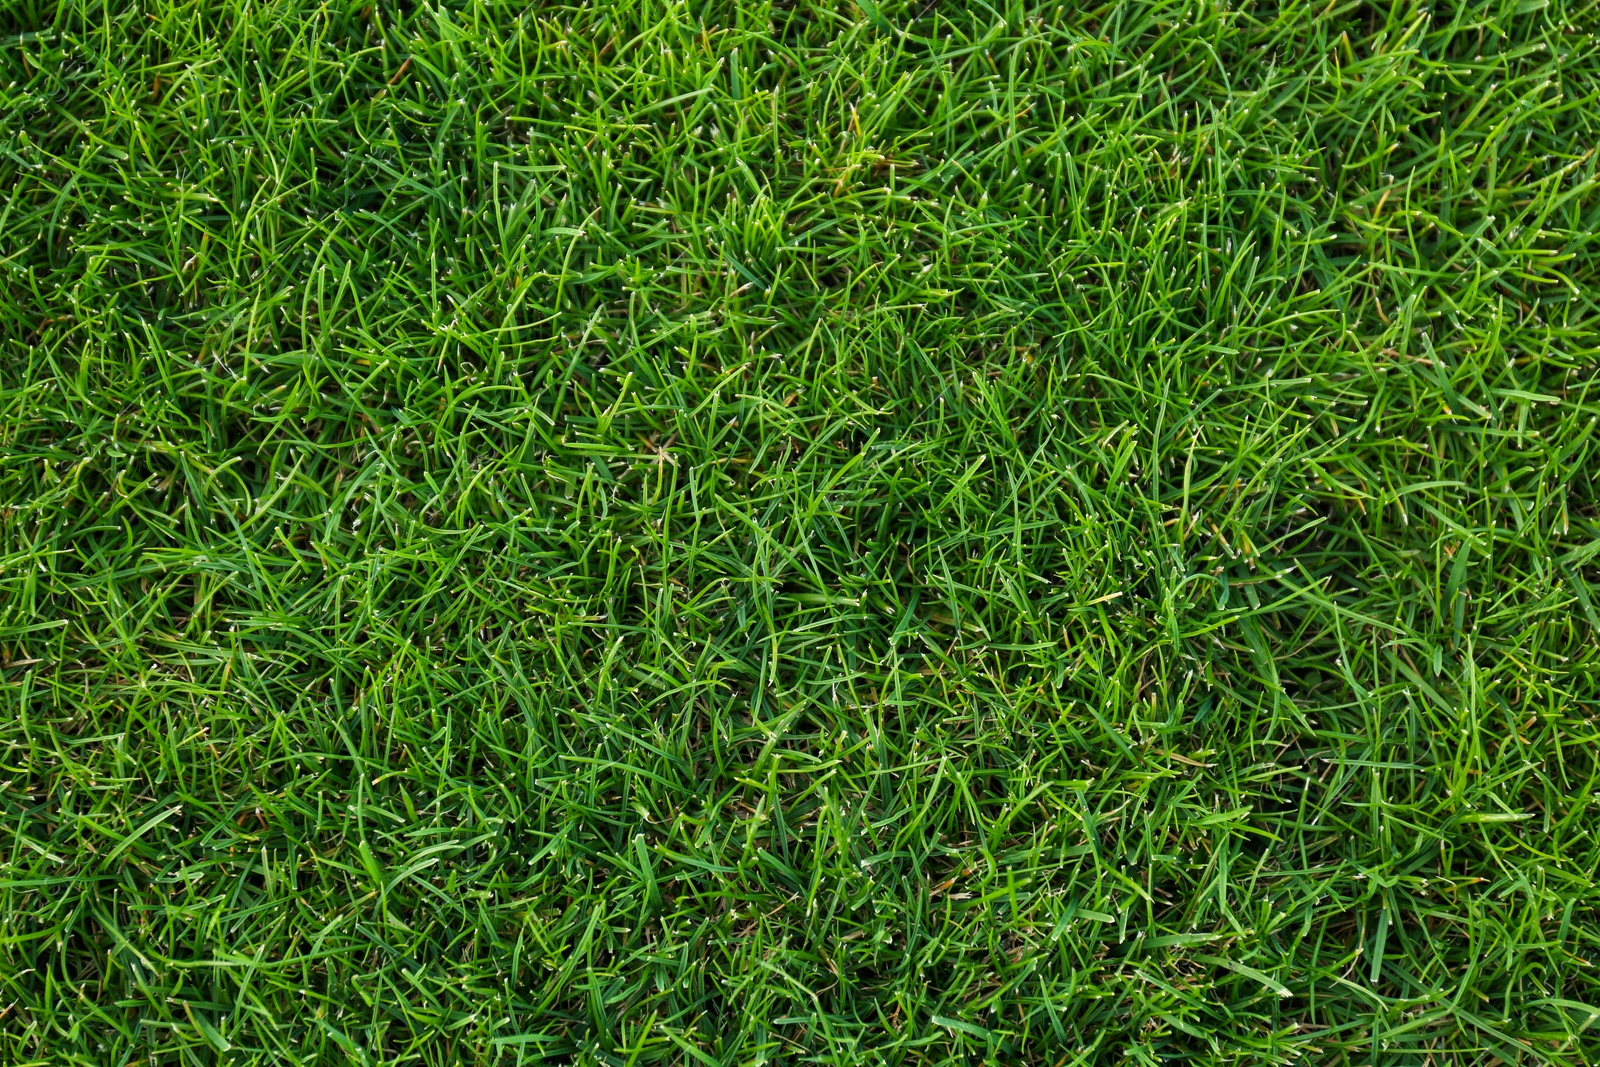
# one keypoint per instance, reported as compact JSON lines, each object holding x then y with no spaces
{"x":699,"y":533}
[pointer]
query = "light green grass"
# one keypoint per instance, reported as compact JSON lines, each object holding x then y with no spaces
{"x":716,"y":534}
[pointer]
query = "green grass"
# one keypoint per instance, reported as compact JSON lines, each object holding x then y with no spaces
{"x":705,"y":533}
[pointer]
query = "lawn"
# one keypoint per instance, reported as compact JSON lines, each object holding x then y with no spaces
{"x":702,"y":533}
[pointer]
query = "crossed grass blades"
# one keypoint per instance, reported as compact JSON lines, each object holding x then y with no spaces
{"x":717,"y":534}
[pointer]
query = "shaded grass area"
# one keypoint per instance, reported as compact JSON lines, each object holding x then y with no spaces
{"x":736,"y":533}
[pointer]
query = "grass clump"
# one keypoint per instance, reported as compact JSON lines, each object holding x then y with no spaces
{"x":798,"y":533}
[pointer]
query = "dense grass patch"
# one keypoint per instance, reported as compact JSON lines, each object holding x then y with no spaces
{"x":711,"y":533}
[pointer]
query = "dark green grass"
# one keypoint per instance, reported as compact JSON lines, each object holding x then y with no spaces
{"x":718,"y":534}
